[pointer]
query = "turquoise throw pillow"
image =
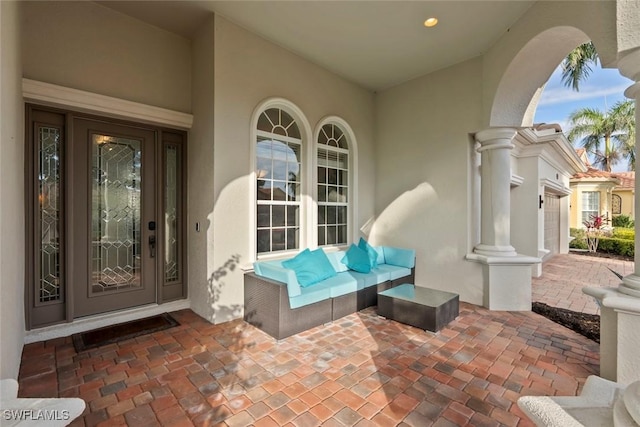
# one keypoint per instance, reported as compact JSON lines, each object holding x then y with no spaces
{"x":357,"y":259}
{"x":373,"y":254}
{"x":310,"y":267}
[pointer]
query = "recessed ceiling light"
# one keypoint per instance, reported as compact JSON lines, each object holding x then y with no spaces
{"x":431,"y":22}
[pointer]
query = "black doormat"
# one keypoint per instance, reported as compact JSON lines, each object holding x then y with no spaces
{"x":122,"y":331}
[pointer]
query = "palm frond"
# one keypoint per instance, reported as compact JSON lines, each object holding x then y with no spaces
{"x":576,"y":66}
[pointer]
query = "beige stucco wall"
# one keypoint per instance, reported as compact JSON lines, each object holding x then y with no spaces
{"x":12,"y":324}
{"x":86,"y":46}
{"x":423,"y":174}
{"x":201,"y":171}
{"x":248,"y":70}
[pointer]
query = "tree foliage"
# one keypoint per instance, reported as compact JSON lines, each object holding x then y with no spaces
{"x":607,"y":136}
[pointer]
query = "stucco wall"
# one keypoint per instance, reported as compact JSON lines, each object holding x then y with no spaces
{"x":248,"y":70}
{"x":86,"y":46}
{"x":11,"y":193}
{"x":200,"y":180}
{"x":423,"y":173}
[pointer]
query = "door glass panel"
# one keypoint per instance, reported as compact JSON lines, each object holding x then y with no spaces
{"x":49,"y":213}
{"x":171,"y":272}
{"x":116,"y":223}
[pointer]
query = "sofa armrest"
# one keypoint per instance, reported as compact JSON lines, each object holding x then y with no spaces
{"x":279,"y":274}
{"x":399,"y":257}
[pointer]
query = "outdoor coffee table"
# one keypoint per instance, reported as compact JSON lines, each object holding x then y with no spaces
{"x":424,"y":308}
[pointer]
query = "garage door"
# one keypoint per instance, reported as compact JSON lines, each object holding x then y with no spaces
{"x":552,"y":223}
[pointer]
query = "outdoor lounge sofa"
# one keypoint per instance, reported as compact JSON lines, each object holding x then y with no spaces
{"x":276,"y":303}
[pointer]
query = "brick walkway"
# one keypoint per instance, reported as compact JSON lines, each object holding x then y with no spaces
{"x":564,"y":276}
{"x":361,"y":370}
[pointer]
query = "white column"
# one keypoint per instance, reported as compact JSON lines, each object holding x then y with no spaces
{"x":506,"y":275}
{"x":495,"y":204}
{"x":620,"y":314}
{"x":629,"y":66}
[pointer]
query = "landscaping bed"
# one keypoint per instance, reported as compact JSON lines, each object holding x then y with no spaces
{"x":587,"y":325}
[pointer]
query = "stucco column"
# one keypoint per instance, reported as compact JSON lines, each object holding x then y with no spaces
{"x":629,"y":66}
{"x":506,"y":275}
{"x":495,"y":205}
{"x":620,"y":307}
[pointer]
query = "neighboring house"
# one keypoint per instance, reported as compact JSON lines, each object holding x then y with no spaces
{"x":597,"y":192}
{"x":152,"y":151}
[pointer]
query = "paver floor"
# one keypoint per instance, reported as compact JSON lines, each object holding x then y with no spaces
{"x":564,"y":276}
{"x":360,"y":370}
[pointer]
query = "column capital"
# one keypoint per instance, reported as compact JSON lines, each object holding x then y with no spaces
{"x":629,"y":66}
{"x":495,"y":138}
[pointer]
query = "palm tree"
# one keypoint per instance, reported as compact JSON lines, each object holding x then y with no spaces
{"x":614,"y":128}
{"x":576,"y":66}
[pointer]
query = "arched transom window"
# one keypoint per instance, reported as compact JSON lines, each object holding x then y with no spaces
{"x":333,"y":186}
{"x":278,"y":174}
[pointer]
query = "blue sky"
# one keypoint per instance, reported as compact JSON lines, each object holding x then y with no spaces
{"x":602,"y":89}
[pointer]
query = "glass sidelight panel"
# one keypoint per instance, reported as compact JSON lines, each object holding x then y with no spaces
{"x":116,"y":214}
{"x":49,"y":213}
{"x":172,"y":271}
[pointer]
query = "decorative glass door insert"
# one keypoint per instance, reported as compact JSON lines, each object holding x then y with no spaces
{"x":116,"y":213}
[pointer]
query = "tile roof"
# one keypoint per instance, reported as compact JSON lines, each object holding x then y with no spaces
{"x":627,"y":179}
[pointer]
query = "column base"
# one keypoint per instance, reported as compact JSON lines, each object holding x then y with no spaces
{"x":619,"y":334}
{"x":506,"y":281}
{"x":495,"y":251}
{"x":630,"y":285}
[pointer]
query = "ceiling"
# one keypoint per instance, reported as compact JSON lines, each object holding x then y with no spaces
{"x":376,"y":44}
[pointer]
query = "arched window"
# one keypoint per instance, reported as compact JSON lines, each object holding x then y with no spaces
{"x":333,"y":186}
{"x":616,"y":204}
{"x":279,"y":178}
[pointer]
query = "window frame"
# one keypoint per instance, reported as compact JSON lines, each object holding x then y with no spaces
{"x":590,"y":202}
{"x":308,"y":237}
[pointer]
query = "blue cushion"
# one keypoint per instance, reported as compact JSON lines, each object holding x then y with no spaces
{"x":400,"y":257}
{"x":373,"y":254}
{"x":273,"y":270}
{"x":335,"y":258}
{"x":342,"y":284}
{"x":310,"y":267}
{"x":375,"y":276}
{"x":357,"y":259}
{"x":311,"y":294}
{"x":394,"y":271}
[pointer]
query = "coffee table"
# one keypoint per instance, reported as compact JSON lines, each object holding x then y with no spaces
{"x":424,"y":308}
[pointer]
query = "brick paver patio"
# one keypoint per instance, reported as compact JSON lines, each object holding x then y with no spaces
{"x":360,"y":370}
{"x":564,"y":276}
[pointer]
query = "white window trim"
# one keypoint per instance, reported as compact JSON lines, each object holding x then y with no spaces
{"x":352,"y":231}
{"x":305,"y":175}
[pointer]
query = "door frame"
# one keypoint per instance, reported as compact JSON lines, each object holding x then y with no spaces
{"x":61,"y":311}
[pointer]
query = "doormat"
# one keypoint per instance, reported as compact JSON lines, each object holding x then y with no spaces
{"x":123,"y":331}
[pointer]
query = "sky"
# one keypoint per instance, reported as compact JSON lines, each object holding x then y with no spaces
{"x":601,"y":90}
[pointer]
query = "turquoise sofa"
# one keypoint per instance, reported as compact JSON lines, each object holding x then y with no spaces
{"x":276,"y":302}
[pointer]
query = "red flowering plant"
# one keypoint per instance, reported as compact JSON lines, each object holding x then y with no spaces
{"x":593,"y":232}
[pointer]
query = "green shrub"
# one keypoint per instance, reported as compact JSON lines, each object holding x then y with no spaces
{"x":623,"y":221}
{"x":578,"y":233}
{"x":616,"y":246}
{"x":624,"y":233}
{"x":578,"y":244}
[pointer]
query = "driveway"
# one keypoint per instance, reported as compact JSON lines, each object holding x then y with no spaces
{"x":564,"y":276}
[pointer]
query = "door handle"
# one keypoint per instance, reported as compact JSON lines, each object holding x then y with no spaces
{"x":152,"y":246}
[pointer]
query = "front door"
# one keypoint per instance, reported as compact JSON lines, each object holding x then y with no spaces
{"x":105,"y":215}
{"x":114,"y":216}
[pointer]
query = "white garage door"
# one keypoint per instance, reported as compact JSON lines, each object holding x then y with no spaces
{"x":552,"y":223}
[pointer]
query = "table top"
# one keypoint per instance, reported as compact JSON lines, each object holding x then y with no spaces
{"x":419,"y":295}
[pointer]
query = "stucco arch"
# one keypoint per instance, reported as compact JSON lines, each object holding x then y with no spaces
{"x":519,"y":89}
